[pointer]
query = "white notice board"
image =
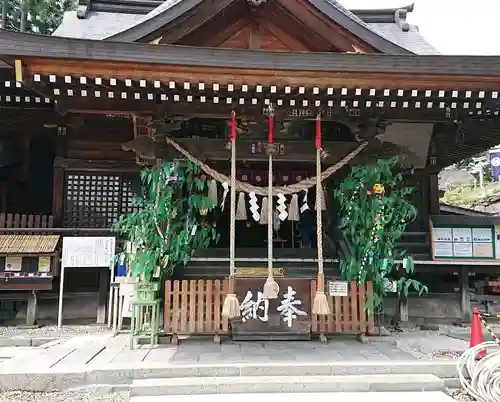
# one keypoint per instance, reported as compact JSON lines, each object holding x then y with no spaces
{"x":338,"y":288}
{"x":88,"y":252}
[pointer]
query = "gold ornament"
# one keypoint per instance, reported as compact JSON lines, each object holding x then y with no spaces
{"x":378,"y":188}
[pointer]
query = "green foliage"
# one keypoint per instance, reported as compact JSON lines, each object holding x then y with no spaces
{"x":167,"y":227}
{"x":370,"y":259}
{"x":42,"y":16}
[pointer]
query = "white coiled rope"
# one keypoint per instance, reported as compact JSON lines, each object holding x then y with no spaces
{"x":481,"y":378}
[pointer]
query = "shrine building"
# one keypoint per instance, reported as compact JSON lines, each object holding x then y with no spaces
{"x":120,"y":84}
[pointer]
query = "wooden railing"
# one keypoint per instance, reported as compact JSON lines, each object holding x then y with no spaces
{"x":18,"y":221}
{"x":195,"y":308}
{"x":349,"y":314}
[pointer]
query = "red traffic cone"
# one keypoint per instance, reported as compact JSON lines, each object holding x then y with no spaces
{"x":476,"y":333}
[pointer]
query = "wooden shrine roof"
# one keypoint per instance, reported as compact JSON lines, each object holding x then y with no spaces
{"x":170,"y":10}
{"x":82,"y":74}
{"x":128,"y":20}
{"x":45,"y":47}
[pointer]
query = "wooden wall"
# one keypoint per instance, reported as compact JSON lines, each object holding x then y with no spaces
{"x":92,"y":173}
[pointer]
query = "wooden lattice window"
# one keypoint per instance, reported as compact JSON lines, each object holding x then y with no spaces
{"x":97,"y":199}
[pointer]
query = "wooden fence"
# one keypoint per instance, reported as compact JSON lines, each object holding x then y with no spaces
{"x":349,"y":314}
{"x":195,"y":308}
{"x":17,"y":221}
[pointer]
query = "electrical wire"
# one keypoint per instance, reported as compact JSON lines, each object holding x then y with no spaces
{"x":481,"y":378}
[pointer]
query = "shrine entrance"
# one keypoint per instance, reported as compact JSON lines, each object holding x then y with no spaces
{"x":292,"y":163}
{"x":288,"y":222}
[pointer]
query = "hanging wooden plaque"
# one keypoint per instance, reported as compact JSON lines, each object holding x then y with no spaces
{"x":286,"y":318}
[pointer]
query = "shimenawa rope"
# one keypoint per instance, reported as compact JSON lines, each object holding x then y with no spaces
{"x":263,"y":191}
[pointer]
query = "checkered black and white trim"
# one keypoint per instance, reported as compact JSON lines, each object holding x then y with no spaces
{"x":243,"y":94}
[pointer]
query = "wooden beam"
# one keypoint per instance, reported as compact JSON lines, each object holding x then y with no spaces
{"x":75,"y":165}
{"x":249,"y":150}
{"x":238,"y":76}
{"x":120,"y":107}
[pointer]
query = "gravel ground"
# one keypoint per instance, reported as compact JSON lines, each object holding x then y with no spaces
{"x":452,"y":329}
{"x":70,"y":396}
{"x":427,"y":344}
{"x":51,"y":331}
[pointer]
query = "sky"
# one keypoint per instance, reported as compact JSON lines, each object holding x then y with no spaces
{"x":459,"y":27}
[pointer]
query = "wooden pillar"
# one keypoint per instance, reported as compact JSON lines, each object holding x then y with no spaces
{"x":104,"y":276}
{"x":403,"y":309}
{"x":433,"y":194}
{"x":31,"y":309}
{"x":58,"y":195}
{"x":464,"y":294}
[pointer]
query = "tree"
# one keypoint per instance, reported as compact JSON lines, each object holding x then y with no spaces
{"x":169,"y":224}
{"x":37,"y":16}
{"x":376,"y":210}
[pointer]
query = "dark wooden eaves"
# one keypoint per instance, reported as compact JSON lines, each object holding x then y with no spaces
{"x":444,"y":220}
{"x":461,"y":211}
{"x":15,"y":44}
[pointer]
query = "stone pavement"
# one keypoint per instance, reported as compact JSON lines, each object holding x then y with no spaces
{"x":102,"y":359}
{"x":100,"y":351}
{"x":256,"y":352}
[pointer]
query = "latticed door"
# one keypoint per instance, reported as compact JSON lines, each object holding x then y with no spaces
{"x":97,"y":199}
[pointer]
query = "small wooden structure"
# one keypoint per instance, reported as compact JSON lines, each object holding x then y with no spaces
{"x":28,"y":262}
{"x":472,"y":244}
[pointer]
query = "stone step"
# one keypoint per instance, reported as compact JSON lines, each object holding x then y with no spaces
{"x":20,"y":375}
{"x":431,"y":396}
{"x":275,"y":384}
